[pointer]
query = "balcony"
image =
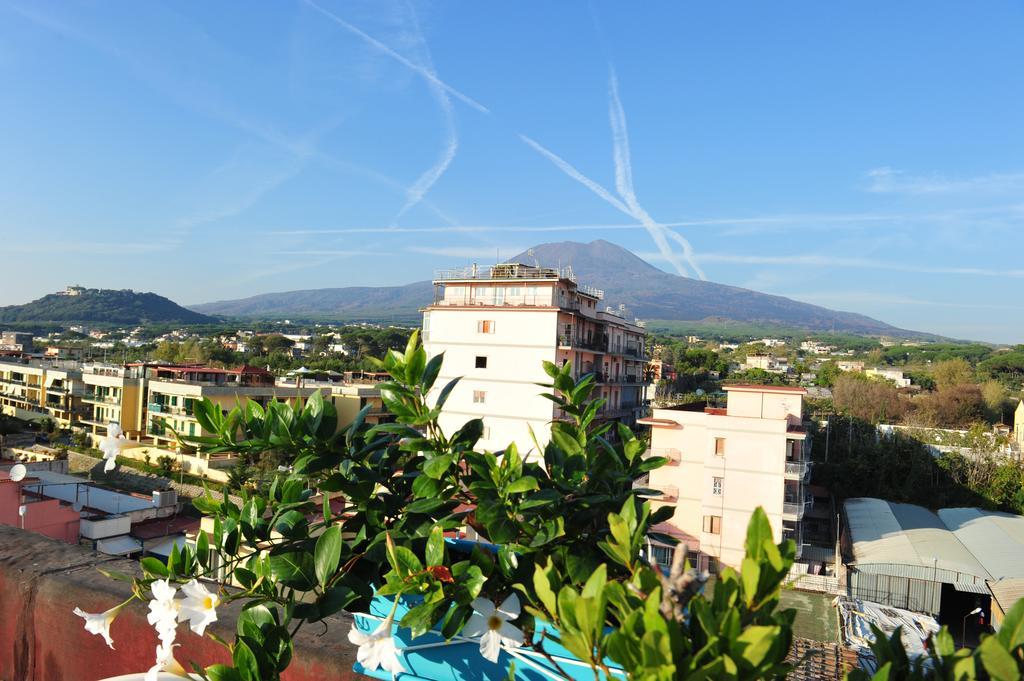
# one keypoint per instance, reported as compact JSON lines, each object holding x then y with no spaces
{"x":797,"y":470}
{"x":795,"y":509}
{"x":673,"y":455}
{"x":665,"y":492}
{"x":100,"y":398}
{"x":592,"y":344}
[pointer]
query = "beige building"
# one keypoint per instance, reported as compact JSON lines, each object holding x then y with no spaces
{"x":34,"y":391}
{"x":1018,"y":424}
{"x":724,"y":463}
{"x":172,"y":392}
{"x":496,"y":325}
{"x":114,"y":394}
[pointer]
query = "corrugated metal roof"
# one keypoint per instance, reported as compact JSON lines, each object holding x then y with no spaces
{"x":995,"y":539}
{"x":1007,"y":592}
{"x":886,"y":532}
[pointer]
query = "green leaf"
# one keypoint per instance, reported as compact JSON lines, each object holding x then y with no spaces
{"x":430,"y":372}
{"x":756,"y":642}
{"x":544,"y":583}
{"x":437,"y":466}
{"x":446,"y":391}
{"x":222,"y":672}
{"x":999,"y":664}
{"x":203,"y":549}
{"x":153,"y":567}
{"x":527,"y":483}
{"x":1011,"y":632}
{"x":327,"y":554}
{"x":245,"y":662}
{"x":420,"y":619}
{"x":435,"y":547}
{"x":750,"y":574}
{"x":294,"y":569}
{"x":405,"y":562}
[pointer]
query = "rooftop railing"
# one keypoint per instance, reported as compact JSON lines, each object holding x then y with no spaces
{"x":515,"y":271}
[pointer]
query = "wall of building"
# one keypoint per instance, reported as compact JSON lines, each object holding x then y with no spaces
{"x":43,"y":580}
{"x":521,"y":341}
{"x":751,"y":468}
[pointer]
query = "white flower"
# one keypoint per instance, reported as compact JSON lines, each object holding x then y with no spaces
{"x":111,"y":446}
{"x":377,"y":649}
{"x":493,"y":626}
{"x":100,"y":623}
{"x":199,"y":607}
{"x":163,"y":611}
{"x":165,"y":662}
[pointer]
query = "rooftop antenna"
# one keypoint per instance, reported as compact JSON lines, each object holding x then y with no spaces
{"x":536,"y":263}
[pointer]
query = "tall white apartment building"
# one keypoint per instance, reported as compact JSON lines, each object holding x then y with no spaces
{"x":725,"y":462}
{"x":496,"y":325}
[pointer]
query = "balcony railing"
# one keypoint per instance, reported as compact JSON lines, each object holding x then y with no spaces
{"x":673,"y":455}
{"x":594,"y":344}
{"x":796,"y":508}
{"x":100,"y":398}
{"x":797,"y":469}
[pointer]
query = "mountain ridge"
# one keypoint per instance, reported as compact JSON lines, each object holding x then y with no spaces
{"x":112,"y":306}
{"x":646,"y":291}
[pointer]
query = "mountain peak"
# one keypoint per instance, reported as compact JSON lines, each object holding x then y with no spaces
{"x":646,"y":291}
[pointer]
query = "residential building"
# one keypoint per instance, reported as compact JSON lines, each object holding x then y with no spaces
{"x":173,"y":390}
{"x":496,"y":325}
{"x":772,"y":342}
{"x":725,"y":462}
{"x":850,"y":365}
{"x":775,"y":365}
{"x":886,"y":374}
{"x":16,"y":341}
{"x":816,"y":348}
{"x":114,"y":394}
{"x":34,"y":390}
{"x":21,"y":507}
{"x":1018,"y":424}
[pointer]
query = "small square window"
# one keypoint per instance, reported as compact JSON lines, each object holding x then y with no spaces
{"x":716,"y":486}
{"x":481,"y":362}
{"x":719,"y":446}
{"x":479,"y":397}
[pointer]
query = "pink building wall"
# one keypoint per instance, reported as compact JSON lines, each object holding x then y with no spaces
{"x":48,"y":517}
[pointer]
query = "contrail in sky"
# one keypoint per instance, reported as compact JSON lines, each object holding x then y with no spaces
{"x":425,"y":181}
{"x":624,"y":184}
{"x":425,"y":72}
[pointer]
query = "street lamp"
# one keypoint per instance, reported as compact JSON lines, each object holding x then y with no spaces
{"x":963,"y":630}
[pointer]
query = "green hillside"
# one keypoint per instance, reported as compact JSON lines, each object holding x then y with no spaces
{"x":101,"y":306}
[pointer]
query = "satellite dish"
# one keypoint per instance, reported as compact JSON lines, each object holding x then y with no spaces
{"x":78,"y":506}
{"x":18,"y":472}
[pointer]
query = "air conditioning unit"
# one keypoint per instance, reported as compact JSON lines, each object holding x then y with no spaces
{"x":165,"y":498}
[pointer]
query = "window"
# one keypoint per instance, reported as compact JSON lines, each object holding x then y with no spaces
{"x":486,"y":434}
{"x":479,"y":397}
{"x":485,"y":326}
{"x":713,"y":524}
{"x":716,"y":486}
{"x":719,"y":446}
{"x":481,"y":362}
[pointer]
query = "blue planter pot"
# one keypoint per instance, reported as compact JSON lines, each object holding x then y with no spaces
{"x":460,"y":660}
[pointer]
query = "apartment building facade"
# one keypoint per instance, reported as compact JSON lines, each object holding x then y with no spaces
{"x":496,"y":325}
{"x":725,"y":462}
{"x":114,"y":394}
{"x":33,"y":390}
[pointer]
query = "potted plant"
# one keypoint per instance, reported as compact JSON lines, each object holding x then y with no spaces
{"x":363,"y":520}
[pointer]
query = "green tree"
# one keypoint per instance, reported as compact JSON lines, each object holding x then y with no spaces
{"x":953,"y":372}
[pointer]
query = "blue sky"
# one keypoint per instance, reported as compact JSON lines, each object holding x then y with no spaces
{"x":863,"y":156}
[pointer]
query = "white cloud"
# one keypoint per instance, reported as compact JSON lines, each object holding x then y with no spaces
{"x":886,"y":180}
{"x":480,"y":252}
